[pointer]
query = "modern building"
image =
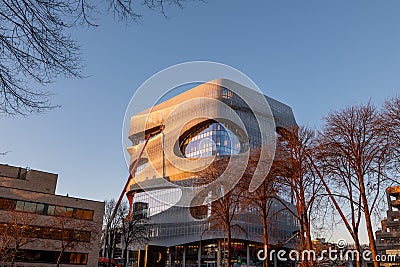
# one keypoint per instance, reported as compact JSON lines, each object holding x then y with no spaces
{"x":388,"y":238}
{"x":182,"y":236}
{"x":41,"y":224}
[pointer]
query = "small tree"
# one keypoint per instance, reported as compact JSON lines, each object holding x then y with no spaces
{"x":264,"y":196}
{"x":14,"y":235}
{"x":5,"y":240}
{"x":223,"y":209}
{"x":70,"y":234}
{"x":391,"y":117}
{"x":294,"y":157}
{"x":355,"y":154}
{"x":133,"y":231}
{"x":109,"y":231}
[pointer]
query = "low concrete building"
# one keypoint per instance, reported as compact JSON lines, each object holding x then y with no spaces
{"x":43,"y":223}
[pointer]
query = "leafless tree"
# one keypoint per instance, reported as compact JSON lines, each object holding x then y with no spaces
{"x":224,"y":209}
{"x":264,"y":196}
{"x":355,"y":153}
{"x":69,"y":234}
{"x":14,"y":235}
{"x":391,"y":116}
{"x":294,"y":156}
{"x":133,"y":231}
{"x":36,"y":48}
{"x":291,"y":170}
{"x":108,"y":238}
{"x":5,"y":240}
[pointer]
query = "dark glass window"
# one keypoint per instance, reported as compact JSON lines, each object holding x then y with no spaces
{"x":39,"y":208}
{"x":211,"y":139}
{"x":43,"y":256}
{"x":84,"y":214}
{"x":51,"y":210}
{"x":45,"y":209}
{"x":30,"y":207}
{"x":60,"y":211}
{"x":69,"y":212}
{"x":52,"y":233}
{"x":20,"y":205}
{"x":55,"y":233}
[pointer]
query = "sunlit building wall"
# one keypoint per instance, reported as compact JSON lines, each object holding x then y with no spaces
{"x":46,"y":222}
{"x":190,"y":239}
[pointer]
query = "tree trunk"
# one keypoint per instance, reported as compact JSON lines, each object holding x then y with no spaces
{"x":368,"y":223}
{"x":59,"y":257}
{"x":305,"y":226}
{"x":229,"y":247}
{"x":125,"y":256}
{"x":14,"y":254}
{"x":358,"y":248}
{"x":309,"y":242}
{"x":110,"y":248}
{"x":265,"y":226}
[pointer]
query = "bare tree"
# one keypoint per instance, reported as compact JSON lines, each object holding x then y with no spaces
{"x":294,"y":156}
{"x":108,"y":238}
{"x":343,"y":192}
{"x":291,"y":169}
{"x":132,"y":231}
{"x":264,"y":196}
{"x":391,"y":116}
{"x":69,"y":234}
{"x":224,"y":209}
{"x":355,"y":154}
{"x":14,"y":235}
{"x":5,"y":240}
{"x":36,"y":47}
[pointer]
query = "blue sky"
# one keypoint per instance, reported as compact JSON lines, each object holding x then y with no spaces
{"x":315,"y":56}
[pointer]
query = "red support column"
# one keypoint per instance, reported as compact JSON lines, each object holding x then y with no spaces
{"x":130,"y":196}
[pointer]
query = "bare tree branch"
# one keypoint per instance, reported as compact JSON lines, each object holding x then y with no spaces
{"x":36,"y":48}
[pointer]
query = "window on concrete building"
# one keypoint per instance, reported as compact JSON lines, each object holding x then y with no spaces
{"x":43,"y":256}
{"x":39,"y":208}
{"x":84,"y":214}
{"x":45,"y":209}
{"x":30,"y":207}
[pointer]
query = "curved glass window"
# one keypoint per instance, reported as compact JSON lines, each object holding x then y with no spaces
{"x":154,"y":202}
{"x":212,"y":139}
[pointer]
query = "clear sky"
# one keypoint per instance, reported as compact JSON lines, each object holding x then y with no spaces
{"x":315,"y":56}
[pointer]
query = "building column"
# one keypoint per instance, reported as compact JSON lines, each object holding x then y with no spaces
{"x":127,"y":257}
{"x":199,"y":255}
{"x":219,"y":254}
{"x":184,"y":256}
{"x":248,"y":254}
{"x":130,"y":195}
{"x":170,"y":257}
